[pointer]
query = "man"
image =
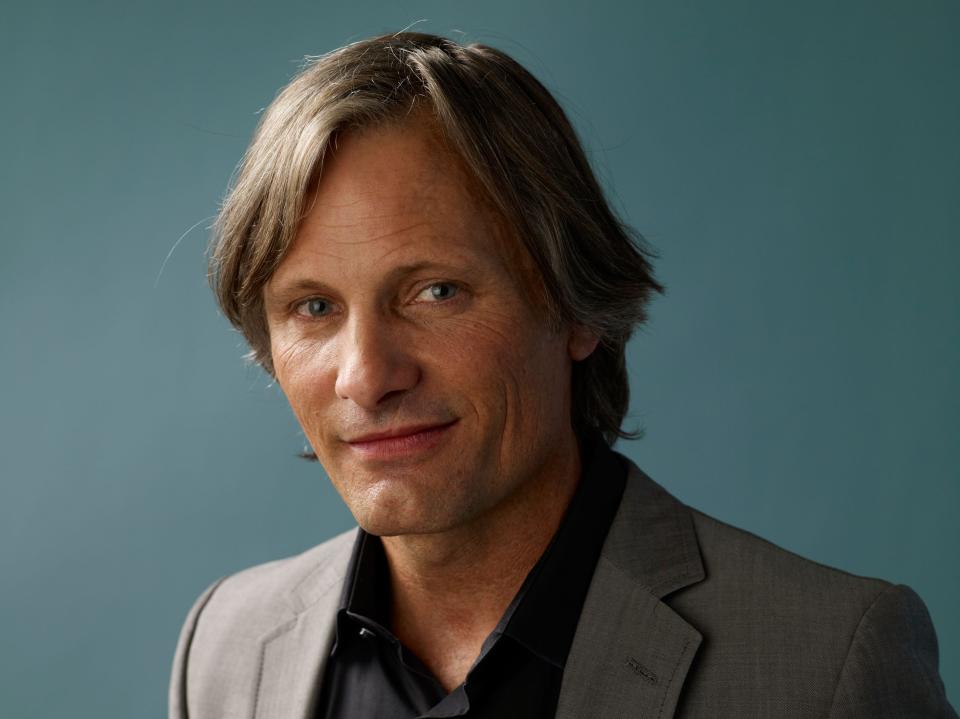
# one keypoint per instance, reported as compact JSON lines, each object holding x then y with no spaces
{"x":416,"y":249}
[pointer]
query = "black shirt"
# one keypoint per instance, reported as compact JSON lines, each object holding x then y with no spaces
{"x":518,"y":671}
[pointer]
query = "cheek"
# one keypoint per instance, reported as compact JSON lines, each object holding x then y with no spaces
{"x":509,"y":365}
{"x":306,"y":373}
{"x":478,"y":352}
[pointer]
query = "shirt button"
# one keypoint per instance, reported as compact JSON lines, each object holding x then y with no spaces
{"x":366,"y":634}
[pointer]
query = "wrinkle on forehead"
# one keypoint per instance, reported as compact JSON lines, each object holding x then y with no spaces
{"x":382,"y":196}
{"x":420,"y":127}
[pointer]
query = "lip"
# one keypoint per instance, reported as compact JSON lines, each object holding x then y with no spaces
{"x":401,"y":441}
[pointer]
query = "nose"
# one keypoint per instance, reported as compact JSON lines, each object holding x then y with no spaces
{"x":374,"y":365}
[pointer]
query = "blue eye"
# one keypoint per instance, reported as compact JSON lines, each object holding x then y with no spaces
{"x":441,"y":290}
{"x":316,"y":307}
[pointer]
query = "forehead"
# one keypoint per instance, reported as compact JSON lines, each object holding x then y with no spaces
{"x":393,"y":190}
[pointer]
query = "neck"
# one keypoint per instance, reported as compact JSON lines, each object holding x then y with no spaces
{"x":449,"y":589}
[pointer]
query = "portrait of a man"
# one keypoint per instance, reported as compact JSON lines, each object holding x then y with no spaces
{"x":417,"y":249}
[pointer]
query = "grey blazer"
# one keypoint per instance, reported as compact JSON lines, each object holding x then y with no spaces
{"x":685,"y":617}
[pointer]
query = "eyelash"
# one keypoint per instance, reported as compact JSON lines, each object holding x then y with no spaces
{"x":300,"y":307}
{"x":456,"y":290}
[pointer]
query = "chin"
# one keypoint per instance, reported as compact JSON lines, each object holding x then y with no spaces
{"x":388,"y":508}
{"x":428,"y":511}
{"x":425,"y":497}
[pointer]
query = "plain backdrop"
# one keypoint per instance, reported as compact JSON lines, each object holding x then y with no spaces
{"x":796,"y":165}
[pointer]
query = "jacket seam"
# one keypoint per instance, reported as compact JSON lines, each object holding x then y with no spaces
{"x":318,"y":568}
{"x":270,"y":637}
{"x":853,"y":640}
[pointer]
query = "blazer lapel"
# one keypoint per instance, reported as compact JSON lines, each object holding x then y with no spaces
{"x":294,"y":655}
{"x":631,"y":652}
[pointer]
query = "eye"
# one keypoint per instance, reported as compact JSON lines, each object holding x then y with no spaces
{"x":314,"y":307}
{"x":438,"y":291}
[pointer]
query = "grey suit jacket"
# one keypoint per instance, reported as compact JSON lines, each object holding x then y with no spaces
{"x":685,"y":617}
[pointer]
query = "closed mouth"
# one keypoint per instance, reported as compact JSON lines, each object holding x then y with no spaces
{"x":398,"y":433}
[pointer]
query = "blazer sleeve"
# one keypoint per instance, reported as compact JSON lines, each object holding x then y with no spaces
{"x":891,"y":668}
{"x":177,"y":697}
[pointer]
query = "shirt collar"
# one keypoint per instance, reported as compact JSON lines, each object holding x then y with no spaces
{"x":366,"y":593}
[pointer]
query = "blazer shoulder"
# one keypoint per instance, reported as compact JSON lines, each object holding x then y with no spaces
{"x":892,"y":665}
{"x":275,"y":581}
{"x":735,"y":555}
{"x":282,"y":586}
{"x":772,"y":620}
{"x":660,"y":537}
{"x":217,"y":657}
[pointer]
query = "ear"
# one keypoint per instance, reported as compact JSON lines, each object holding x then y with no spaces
{"x":582,"y":342}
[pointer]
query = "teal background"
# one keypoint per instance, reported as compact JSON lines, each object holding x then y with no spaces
{"x":796,"y":164}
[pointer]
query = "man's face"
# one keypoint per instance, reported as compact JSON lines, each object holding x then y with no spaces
{"x":404,"y":337}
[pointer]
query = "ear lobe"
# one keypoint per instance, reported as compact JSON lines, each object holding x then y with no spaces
{"x":583,"y":341}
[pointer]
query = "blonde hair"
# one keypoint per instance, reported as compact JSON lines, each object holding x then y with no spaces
{"x":513,"y":139}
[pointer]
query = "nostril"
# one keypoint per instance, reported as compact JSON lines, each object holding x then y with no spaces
{"x":392,"y":394}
